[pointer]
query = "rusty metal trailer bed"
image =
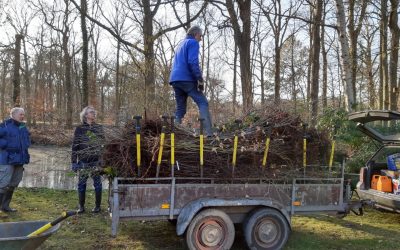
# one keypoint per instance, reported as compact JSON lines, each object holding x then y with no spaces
{"x":205,"y":210}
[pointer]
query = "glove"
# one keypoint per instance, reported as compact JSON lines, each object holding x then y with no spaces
{"x":200,"y":85}
{"x":75,"y":167}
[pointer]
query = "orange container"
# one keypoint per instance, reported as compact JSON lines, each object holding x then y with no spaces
{"x":374,"y":181}
{"x":384,"y":184}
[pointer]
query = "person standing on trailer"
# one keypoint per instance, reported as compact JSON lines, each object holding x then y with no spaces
{"x":187,"y":80}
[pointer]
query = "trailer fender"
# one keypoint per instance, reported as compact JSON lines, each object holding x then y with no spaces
{"x":191,"y":209}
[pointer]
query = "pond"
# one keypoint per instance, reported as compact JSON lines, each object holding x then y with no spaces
{"x":50,"y":167}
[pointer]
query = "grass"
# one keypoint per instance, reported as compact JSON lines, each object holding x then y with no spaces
{"x":374,"y":230}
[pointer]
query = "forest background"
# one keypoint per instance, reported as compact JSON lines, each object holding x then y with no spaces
{"x":318,"y":59}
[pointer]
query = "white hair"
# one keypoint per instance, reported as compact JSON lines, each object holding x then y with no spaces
{"x":16,"y":110}
{"x":194,"y":30}
{"x":84,"y":112}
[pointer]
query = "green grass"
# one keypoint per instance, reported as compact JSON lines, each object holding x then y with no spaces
{"x":374,"y":230}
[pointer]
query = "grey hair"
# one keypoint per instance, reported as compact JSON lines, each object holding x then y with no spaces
{"x":194,"y":30}
{"x":85,"y":110}
{"x":15,"y":111}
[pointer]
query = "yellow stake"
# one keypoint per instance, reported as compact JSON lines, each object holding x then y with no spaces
{"x":332,"y":154}
{"x":235,"y":143}
{"x":161,"y":149}
{"x":138,"y":158}
{"x":264,"y":162}
{"x":304,"y":152}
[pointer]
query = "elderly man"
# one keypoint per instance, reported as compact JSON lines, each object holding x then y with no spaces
{"x":14,"y":144}
{"x":187,"y":80}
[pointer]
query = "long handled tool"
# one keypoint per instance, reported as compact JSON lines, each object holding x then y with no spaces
{"x":333,"y":147}
{"x":46,"y":227}
{"x":304,"y":145}
{"x":235,"y":145}
{"x":201,"y":120}
{"x":162,"y":138}
{"x":267,"y":142}
{"x":138,"y":150}
{"x":172,"y":146}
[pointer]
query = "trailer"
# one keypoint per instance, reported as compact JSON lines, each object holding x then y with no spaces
{"x":205,"y":210}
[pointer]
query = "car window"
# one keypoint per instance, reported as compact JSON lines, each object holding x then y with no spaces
{"x":381,"y":156}
{"x":386,"y":127}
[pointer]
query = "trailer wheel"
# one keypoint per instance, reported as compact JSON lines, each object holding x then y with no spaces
{"x":266,"y":229}
{"x":210,"y":229}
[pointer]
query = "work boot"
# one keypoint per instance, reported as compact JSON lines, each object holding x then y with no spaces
{"x":97,"y":209}
{"x":81,"y":196}
{"x":7,"y":196}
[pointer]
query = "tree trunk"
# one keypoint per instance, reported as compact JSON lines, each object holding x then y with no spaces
{"x":394,"y":56}
{"x":117,"y":86}
{"x":315,"y":65}
{"x":85,"y":51}
{"x":324,"y":65}
{"x":3,"y":88}
{"x":17,"y":65}
{"x":28,"y":103}
{"x":68,"y":83}
{"x":345,"y":56}
{"x":383,"y":70}
{"x":148,"y":41}
{"x":354,"y":31}
{"x":234,"y":92}
{"x":277,"y":74}
{"x":243,"y":40}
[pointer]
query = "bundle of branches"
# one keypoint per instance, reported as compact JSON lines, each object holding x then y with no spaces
{"x":285,"y":155}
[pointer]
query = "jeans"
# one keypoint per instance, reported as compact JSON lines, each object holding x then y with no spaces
{"x":83,"y":177}
{"x":182,"y":91}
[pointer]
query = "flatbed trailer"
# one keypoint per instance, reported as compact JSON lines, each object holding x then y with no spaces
{"x":205,"y":209}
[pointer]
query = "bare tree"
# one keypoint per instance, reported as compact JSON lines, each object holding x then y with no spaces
{"x":394,"y":56}
{"x":345,"y":56}
{"x":242,"y":36}
{"x":85,"y":52}
{"x":354,"y":27}
{"x":383,"y":72}
{"x":315,"y":62}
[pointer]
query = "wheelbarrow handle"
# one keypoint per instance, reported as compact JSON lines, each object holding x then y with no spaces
{"x":46,"y":227}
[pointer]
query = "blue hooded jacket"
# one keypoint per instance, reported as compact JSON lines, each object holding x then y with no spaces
{"x":186,"y":62}
{"x":14,"y":143}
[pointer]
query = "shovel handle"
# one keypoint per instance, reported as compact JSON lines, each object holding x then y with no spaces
{"x":46,"y":227}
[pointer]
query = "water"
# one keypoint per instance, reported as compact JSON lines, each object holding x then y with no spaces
{"x":50,"y":167}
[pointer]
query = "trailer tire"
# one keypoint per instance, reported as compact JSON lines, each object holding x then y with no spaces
{"x":266,"y":228}
{"x":210,"y":229}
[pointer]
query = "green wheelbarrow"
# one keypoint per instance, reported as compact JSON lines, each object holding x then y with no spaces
{"x":28,"y":235}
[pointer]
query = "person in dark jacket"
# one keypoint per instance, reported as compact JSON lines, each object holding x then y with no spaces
{"x":86,"y":156}
{"x":187,"y":80}
{"x":14,"y":144}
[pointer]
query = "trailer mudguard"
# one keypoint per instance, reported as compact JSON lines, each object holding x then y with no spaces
{"x":191,"y":209}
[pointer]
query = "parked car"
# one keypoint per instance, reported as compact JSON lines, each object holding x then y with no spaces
{"x":381,"y":166}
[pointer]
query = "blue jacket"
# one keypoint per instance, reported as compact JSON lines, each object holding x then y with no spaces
{"x":186,"y":66}
{"x":14,"y":143}
{"x":87,"y":144}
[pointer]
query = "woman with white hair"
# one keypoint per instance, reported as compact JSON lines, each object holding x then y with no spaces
{"x":14,"y":144}
{"x":86,"y":156}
